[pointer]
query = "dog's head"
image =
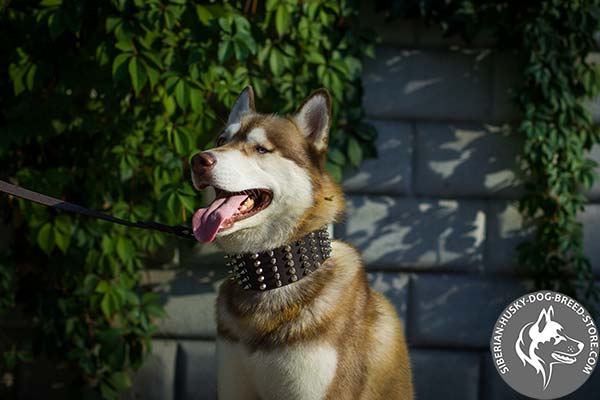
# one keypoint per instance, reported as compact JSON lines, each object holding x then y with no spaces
{"x":544,"y":343}
{"x":267,"y":177}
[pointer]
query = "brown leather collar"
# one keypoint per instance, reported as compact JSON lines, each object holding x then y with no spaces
{"x":278,"y":267}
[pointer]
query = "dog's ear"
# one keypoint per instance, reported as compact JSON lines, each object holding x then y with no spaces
{"x":243,"y":105}
{"x":544,"y":318}
{"x":313,"y":118}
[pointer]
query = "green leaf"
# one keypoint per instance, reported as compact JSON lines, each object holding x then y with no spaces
{"x":63,"y":224}
{"x":336,"y":156}
{"x":282,"y":19}
{"x":90,"y":282}
{"x":62,"y":239}
{"x":276,"y":60}
{"x":137,"y":74}
{"x":181,"y":142}
{"x":153,"y":76}
{"x":315,"y":58}
{"x":224,"y":51}
{"x":108,"y":305}
{"x":45,"y":238}
{"x":172,"y":204}
{"x":120,"y":381}
{"x":169,"y":104}
{"x":112,"y":23}
{"x":125,"y":249}
{"x":103,"y":287}
{"x":335,"y":171}
{"x":56,"y":24}
{"x":313,"y":7}
{"x":182,"y":94}
{"x":204,"y":14}
{"x":30,"y":77}
{"x":126,"y":46}
{"x":196,"y":99}
{"x":155,"y":310}
{"x":150,"y":297}
{"x":51,"y":3}
{"x":118,"y":67}
{"x":188,"y":202}
{"x":154,"y":58}
{"x":16,"y":73}
{"x":355,"y":153}
{"x":271,"y":4}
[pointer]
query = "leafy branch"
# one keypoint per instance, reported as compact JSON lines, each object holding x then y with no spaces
{"x":102,"y":104}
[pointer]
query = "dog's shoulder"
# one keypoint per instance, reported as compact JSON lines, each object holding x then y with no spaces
{"x":346,"y":255}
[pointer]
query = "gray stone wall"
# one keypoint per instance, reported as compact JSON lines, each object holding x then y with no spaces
{"x":434,"y":217}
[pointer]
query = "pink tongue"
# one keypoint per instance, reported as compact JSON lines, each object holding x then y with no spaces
{"x":206,"y":221}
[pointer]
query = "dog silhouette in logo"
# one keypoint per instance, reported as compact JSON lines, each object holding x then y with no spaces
{"x":544,"y":343}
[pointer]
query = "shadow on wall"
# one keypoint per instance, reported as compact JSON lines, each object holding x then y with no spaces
{"x":394,"y":233}
{"x":433,"y":208}
{"x":451,"y":84}
{"x":467,"y":160}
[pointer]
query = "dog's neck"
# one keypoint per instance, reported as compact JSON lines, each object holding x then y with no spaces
{"x":284,"y":265}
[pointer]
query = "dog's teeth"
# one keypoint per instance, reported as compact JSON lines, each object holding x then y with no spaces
{"x":246,"y":205}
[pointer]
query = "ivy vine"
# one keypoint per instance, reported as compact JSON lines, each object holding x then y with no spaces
{"x":102,"y":103}
{"x":555,"y":38}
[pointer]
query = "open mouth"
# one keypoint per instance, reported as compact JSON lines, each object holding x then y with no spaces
{"x":563,"y":358}
{"x":226,"y":209}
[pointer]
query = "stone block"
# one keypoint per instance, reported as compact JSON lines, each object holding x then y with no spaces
{"x":188,"y":289}
{"x":590,"y":218}
{"x":431,"y":35}
{"x":188,"y":296}
{"x":493,"y":386}
{"x":196,"y":370}
{"x":463,"y":160}
{"x":442,"y":374}
{"x":457,"y":310}
{"x":390,"y":172}
{"x":399,"y":233}
{"x":155,"y":380}
{"x":505,"y":230}
{"x":508,"y":66}
{"x":418,"y":84}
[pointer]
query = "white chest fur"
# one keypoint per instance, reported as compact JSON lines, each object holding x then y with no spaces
{"x":298,"y":372}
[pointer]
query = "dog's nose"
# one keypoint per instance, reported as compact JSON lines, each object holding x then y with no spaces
{"x":203,"y":162}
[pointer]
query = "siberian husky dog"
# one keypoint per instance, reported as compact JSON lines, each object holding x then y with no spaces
{"x":544,"y":343}
{"x":297,"y":318}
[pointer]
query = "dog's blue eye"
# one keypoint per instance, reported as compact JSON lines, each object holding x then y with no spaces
{"x":261,"y":150}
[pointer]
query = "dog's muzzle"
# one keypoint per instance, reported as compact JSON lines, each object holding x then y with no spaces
{"x":203,"y":162}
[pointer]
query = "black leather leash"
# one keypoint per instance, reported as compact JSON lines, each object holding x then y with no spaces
{"x":181,"y":231}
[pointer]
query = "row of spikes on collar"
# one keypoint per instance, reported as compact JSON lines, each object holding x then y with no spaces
{"x":281,"y":266}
